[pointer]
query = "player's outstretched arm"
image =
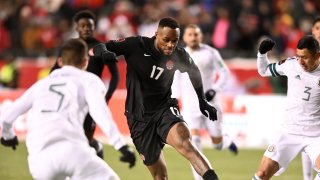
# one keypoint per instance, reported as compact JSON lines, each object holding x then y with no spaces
{"x":11,"y":113}
{"x":114,"y":81}
{"x":262,"y":59}
{"x":206,"y":108}
{"x":102,"y":116}
{"x":100,"y":50}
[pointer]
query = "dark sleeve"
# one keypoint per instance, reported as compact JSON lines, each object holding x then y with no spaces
{"x":196,"y":80}
{"x":114,"y":81}
{"x":122,"y":46}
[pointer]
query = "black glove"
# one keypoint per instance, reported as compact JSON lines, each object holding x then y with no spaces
{"x":10,"y":142}
{"x":266,"y":45}
{"x":100,"y":50}
{"x":127,"y":155}
{"x":208,"y":110}
{"x":210,"y":94}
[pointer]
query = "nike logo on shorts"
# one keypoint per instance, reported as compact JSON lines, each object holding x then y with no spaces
{"x":145,"y":54}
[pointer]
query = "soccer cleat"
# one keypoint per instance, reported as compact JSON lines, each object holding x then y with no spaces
{"x":233,"y":148}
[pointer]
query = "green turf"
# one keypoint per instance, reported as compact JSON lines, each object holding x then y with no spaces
{"x":13,"y":165}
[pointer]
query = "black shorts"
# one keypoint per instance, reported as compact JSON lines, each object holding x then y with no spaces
{"x":149,"y":136}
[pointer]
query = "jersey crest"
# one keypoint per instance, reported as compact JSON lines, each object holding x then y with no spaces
{"x":120,"y":39}
{"x":169,"y":64}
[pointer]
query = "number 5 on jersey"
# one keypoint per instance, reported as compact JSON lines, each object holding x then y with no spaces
{"x":53,"y":88}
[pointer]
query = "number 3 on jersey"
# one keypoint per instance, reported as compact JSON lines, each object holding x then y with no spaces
{"x":157,"y":74}
{"x":308,"y":93}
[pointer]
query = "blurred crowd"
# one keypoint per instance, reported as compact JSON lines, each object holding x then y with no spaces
{"x":33,"y":28}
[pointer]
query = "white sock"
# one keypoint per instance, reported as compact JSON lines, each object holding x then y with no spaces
{"x":226,"y":142}
{"x":306,"y":166}
{"x":255,"y":177}
{"x":196,"y":141}
{"x":317,"y":177}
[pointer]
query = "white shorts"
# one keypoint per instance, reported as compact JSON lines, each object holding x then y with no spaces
{"x":66,"y":159}
{"x":196,"y":120}
{"x":285,"y":147}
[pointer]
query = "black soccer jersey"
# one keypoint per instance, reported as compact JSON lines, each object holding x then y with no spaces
{"x":96,"y":66}
{"x":149,"y":73}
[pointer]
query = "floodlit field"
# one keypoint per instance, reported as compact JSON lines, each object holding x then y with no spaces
{"x":13,"y":165}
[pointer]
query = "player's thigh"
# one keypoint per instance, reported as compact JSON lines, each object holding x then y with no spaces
{"x":268,"y":166}
{"x":159,"y":167}
{"x":146,"y":140}
{"x":43,"y":165}
{"x":91,"y":166}
{"x":283,"y":149}
{"x":313,"y":151}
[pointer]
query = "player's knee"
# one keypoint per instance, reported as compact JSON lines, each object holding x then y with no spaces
{"x":179,"y":136}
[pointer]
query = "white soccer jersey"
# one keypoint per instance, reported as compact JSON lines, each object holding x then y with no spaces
{"x":302,"y":114}
{"x":209,"y":62}
{"x":70,"y":92}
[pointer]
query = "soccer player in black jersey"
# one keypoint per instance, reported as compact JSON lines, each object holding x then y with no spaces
{"x":152,"y":115}
{"x":85,"y":25}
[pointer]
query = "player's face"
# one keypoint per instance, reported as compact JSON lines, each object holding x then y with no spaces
{"x":316,"y":31}
{"x":307,"y":60}
{"x":166,"y":40}
{"x":192,"y":37}
{"x":85,"y":27}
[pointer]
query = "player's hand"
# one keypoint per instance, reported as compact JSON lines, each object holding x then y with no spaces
{"x":10,"y":142}
{"x":128,"y":155}
{"x":208,"y":110}
{"x":100,"y":50}
{"x":210,"y":94}
{"x":266,"y":45}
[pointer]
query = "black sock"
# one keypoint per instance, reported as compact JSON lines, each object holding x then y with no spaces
{"x":210,"y":175}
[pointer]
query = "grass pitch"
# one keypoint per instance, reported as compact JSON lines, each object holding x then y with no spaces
{"x":13,"y":165}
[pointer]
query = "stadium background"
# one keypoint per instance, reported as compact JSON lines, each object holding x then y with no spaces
{"x":33,"y":30}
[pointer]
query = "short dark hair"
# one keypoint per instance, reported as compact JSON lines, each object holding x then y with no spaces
{"x":84,"y":14}
{"x":169,"y":22}
{"x":317,"y":19}
{"x":73,"y":52}
{"x":310,"y":43}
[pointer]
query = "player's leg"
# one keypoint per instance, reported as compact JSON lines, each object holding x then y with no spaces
{"x":220,"y":141}
{"x":88,"y":166}
{"x":158,"y":169}
{"x":42,"y":167}
{"x":267,"y":169}
{"x":89,"y":126}
{"x":179,"y":137}
{"x":149,"y":145}
{"x":196,"y":141}
{"x":195,"y":122}
{"x":312,"y":150}
{"x":306,"y":166}
{"x":284,"y":148}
